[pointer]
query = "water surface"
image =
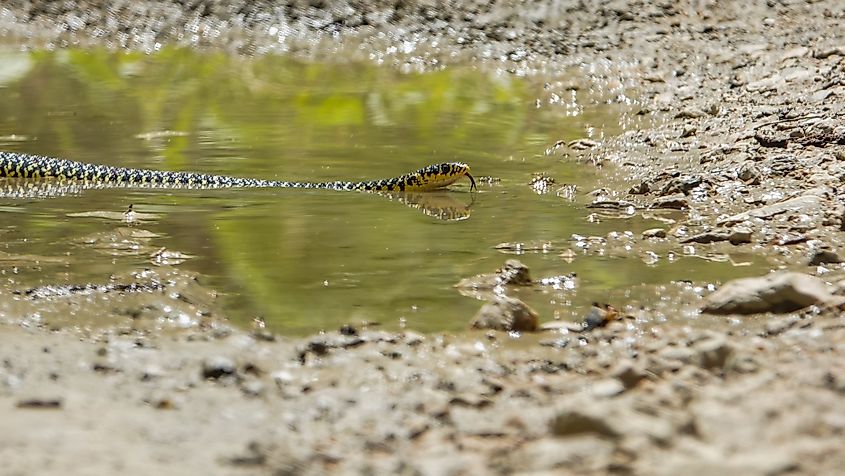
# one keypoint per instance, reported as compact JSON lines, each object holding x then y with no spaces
{"x":307,"y":260}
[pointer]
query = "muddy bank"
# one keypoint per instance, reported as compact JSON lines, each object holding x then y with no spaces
{"x":744,"y":134}
{"x":622,"y":399}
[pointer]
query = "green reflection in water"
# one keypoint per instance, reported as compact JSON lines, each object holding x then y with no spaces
{"x":310,"y":260}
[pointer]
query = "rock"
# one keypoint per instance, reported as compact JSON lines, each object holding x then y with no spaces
{"x":713,"y":353}
{"x":548,"y":454}
{"x":576,"y":422}
{"x":737,"y":236}
{"x":809,"y":204}
{"x":506,"y":314}
{"x":778,"y":292}
{"x":677,"y":201}
{"x":609,"y":387}
{"x":764,"y":462}
{"x":628,"y":373}
{"x":777,"y":326}
{"x":640,"y":188}
{"x":513,"y":273}
{"x":827,"y":52}
{"x":216,"y":367}
{"x":824,"y":257}
{"x":680,"y":354}
{"x":690,"y":113}
{"x":683,"y":184}
{"x":582,"y":144}
{"x":654,"y":233}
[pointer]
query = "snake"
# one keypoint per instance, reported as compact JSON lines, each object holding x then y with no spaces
{"x":28,"y":166}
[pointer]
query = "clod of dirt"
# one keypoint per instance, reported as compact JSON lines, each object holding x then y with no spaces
{"x":779,"y":292}
{"x":506,"y":314}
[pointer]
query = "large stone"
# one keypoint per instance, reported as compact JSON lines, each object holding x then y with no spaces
{"x":778,"y":292}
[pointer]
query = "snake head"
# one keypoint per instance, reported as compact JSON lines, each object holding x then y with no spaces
{"x":442,"y":175}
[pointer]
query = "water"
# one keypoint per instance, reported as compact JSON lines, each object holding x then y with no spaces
{"x":311,"y":260}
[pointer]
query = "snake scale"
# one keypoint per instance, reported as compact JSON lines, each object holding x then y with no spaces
{"x":20,"y":165}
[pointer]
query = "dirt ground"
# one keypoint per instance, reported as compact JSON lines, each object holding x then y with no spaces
{"x":746,"y":134}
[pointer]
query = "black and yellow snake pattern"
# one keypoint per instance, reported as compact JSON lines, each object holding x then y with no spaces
{"x":20,"y":165}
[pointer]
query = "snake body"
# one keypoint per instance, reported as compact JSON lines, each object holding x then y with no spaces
{"x":20,"y":165}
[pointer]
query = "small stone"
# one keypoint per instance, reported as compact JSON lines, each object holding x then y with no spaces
{"x":216,"y":367}
{"x":506,"y":314}
{"x":654,"y":233}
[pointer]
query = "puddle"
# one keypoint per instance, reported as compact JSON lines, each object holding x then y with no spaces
{"x":306,"y":260}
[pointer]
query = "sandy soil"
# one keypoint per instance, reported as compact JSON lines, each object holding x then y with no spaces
{"x":746,"y":134}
